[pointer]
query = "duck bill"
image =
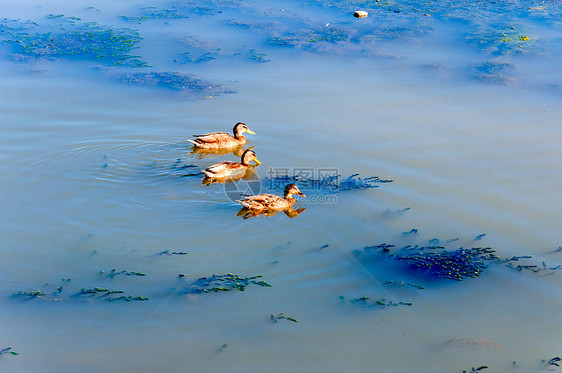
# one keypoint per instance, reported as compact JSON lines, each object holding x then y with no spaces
{"x":250,"y":132}
{"x":257,"y":162}
{"x":301,"y":194}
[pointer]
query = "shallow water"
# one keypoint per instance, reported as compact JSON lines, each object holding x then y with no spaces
{"x":97,"y":175}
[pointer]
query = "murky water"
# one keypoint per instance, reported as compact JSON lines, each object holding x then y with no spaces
{"x":458,"y":104}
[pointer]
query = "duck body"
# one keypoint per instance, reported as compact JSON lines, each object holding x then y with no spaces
{"x":225,"y":169}
{"x":271,"y":202}
{"x":222,"y":140}
{"x":231,"y":170}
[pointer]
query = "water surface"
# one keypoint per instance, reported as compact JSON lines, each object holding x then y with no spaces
{"x":97,"y":175}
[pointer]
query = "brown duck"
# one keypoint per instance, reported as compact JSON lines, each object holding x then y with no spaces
{"x":219,"y":140}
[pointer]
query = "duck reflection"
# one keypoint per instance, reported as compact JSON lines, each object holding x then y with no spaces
{"x":202,"y":153}
{"x":246,"y":213}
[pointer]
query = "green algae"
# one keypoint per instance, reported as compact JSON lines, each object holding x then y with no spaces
{"x":500,"y":40}
{"x":8,"y":351}
{"x":86,"y":40}
{"x":221,"y":283}
{"x":281,"y":316}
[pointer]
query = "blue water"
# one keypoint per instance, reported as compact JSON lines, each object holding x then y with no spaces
{"x":460,"y":108}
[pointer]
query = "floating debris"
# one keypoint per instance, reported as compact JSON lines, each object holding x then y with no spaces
{"x":281,"y":316}
{"x":227,"y":282}
{"x":360,"y":14}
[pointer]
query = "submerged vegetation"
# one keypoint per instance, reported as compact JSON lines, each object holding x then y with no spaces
{"x":177,"y":81}
{"x":8,"y":351}
{"x":282,"y":316}
{"x":367,"y":302}
{"x":86,"y":40}
{"x":440,"y":262}
{"x":220,"y":283}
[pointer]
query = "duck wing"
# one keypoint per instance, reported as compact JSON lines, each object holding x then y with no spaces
{"x":214,"y":137}
{"x":261,"y":201}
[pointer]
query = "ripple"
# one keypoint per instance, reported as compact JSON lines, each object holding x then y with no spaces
{"x":122,"y":160}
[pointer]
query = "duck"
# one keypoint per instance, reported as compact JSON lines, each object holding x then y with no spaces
{"x":271,"y":202}
{"x":228,"y":169}
{"x":218,"y":140}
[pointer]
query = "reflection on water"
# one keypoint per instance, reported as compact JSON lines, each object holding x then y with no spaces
{"x":105,"y":222}
{"x":248,"y":213}
{"x":202,"y":153}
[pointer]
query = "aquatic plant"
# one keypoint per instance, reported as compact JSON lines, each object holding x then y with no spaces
{"x":496,"y":71}
{"x":258,"y":57}
{"x":500,"y":39}
{"x":89,"y":40}
{"x":227,"y":282}
{"x":29,"y":294}
{"x":153,"y":13}
{"x":8,"y":351}
{"x":281,"y":316}
{"x":169,"y":253}
{"x":479,"y":369}
{"x":189,"y":84}
{"x":402,"y":284}
{"x":555,"y":361}
{"x":128,"y":298}
{"x":114,"y":272}
{"x":366,"y":302}
{"x":309,"y":36}
{"x":438,"y":262}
